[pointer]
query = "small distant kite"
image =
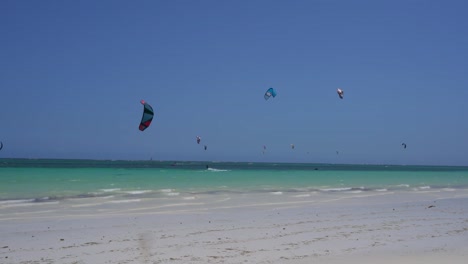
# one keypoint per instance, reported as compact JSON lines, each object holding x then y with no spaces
{"x":198,"y":139}
{"x":404,"y":145}
{"x":340,"y":93}
{"x":1,"y":145}
{"x":147,"y":117}
{"x":206,"y":147}
{"x":292,"y":146}
{"x":269,"y":93}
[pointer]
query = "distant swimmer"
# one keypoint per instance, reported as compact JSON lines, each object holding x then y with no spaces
{"x":198,"y":139}
{"x":340,"y":93}
{"x":404,"y":145}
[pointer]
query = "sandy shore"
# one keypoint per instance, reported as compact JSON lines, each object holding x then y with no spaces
{"x":268,"y":228}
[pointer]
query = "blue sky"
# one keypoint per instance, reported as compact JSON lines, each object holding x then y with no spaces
{"x":72,"y":74}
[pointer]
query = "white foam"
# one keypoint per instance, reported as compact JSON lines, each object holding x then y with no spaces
{"x":424,"y":187}
{"x":189,"y":198}
{"x":211,"y":169}
{"x":336,"y":189}
{"x":166,"y":190}
{"x":355,"y":191}
{"x":126,"y":201}
{"x":138,"y":192}
{"x":381,"y":190}
{"x":110,"y":190}
{"x":173,"y":194}
{"x":403,"y":185}
{"x":276,"y":193}
{"x":86,"y":205}
{"x":28,"y":204}
{"x":448,"y":189}
{"x":16,"y":201}
{"x":301,"y":195}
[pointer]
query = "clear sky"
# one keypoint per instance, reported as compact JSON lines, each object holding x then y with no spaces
{"x":72,"y":74}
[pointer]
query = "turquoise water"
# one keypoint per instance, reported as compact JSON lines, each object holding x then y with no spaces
{"x":46,"y":180}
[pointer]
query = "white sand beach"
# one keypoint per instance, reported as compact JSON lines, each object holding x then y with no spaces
{"x":385,"y":227}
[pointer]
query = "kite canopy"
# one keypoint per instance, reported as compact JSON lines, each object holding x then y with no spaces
{"x":269,"y":93}
{"x":198,"y":139}
{"x":1,"y":145}
{"x":147,"y":117}
{"x":404,"y":145}
{"x":340,"y":93}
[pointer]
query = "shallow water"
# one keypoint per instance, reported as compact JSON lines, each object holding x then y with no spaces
{"x":26,"y":181}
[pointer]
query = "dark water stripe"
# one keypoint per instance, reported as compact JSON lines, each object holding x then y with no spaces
{"x":202,"y":165}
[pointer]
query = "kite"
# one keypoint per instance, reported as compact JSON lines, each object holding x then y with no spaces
{"x":269,"y":93}
{"x":206,"y":147}
{"x":1,"y":145}
{"x":292,"y":146}
{"x":198,"y":139}
{"x":404,"y":145}
{"x":147,"y":117}
{"x":340,"y":93}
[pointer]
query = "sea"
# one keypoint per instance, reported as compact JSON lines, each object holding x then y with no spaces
{"x":87,"y":183}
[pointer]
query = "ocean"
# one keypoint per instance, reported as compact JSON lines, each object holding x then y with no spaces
{"x":46,"y":180}
{"x":91,"y":211}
